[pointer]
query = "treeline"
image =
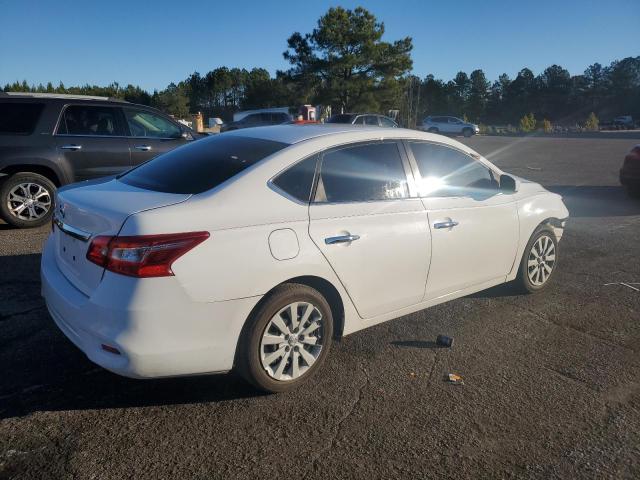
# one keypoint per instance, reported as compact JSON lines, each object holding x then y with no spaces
{"x":554,"y":94}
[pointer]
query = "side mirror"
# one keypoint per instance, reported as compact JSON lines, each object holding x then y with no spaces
{"x":508,"y":184}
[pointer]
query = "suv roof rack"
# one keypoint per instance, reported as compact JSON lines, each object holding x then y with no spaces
{"x":61,"y":96}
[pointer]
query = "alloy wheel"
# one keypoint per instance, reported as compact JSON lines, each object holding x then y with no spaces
{"x":541,"y":261}
{"x":292,"y":341}
{"x":29,"y":201}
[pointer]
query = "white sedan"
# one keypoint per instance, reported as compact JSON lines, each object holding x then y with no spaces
{"x":255,"y":249}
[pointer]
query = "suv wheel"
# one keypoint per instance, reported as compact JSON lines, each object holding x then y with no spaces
{"x":467,"y":132}
{"x":26,"y":200}
{"x":286,"y":340}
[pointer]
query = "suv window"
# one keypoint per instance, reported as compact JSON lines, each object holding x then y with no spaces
{"x":387,"y":122}
{"x":19,"y":118}
{"x":446,"y":171}
{"x":362,"y":173}
{"x":146,"y":124}
{"x":340,"y":118}
{"x":371,"y":120}
{"x":298,"y":179}
{"x":90,"y":120}
{"x":202,"y":165}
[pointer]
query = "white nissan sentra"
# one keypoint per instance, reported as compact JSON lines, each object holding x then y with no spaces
{"x":254,"y":249}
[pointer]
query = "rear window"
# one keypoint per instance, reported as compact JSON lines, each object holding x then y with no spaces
{"x":19,"y":118}
{"x":201,"y":165}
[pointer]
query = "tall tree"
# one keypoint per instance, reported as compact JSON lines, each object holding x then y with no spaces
{"x":478,"y":95}
{"x":345,"y":61}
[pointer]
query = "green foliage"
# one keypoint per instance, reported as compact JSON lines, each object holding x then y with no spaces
{"x":344,"y":63}
{"x":528,"y":123}
{"x":592,"y":122}
{"x":546,"y":126}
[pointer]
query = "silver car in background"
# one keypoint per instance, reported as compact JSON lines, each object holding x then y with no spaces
{"x":449,"y":125}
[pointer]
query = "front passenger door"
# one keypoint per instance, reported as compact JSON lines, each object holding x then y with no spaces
{"x":474,"y":226}
{"x":151,"y":134}
{"x":372,"y":233}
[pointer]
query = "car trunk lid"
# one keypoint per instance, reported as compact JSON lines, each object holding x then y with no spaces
{"x":96,"y":208}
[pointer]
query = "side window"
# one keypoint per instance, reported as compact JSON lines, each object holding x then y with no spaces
{"x":297,"y":180}
{"x":19,"y":118}
{"x":362,"y":173}
{"x":90,"y":120}
{"x":371,"y":120}
{"x":387,"y":122}
{"x":147,"y":124}
{"x":359,"y":120}
{"x":446,"y":171}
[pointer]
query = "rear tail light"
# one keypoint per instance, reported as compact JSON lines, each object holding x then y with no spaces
{"x":142,"y":256}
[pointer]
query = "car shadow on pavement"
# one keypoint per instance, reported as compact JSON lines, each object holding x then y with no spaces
{"x":416,"y":344}
{"x":597,"y":201}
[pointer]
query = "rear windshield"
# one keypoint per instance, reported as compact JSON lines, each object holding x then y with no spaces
{"x":19,"y":118}
{"x":201,"y":165}
{"x":340,"y":118}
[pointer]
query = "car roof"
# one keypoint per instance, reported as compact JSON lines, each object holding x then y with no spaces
{"x":58,"y":96}
{"x":293,"y":134}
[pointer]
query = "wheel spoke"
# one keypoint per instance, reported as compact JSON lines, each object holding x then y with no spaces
{"x":281,"y":365}
{"x":280,"y":325}
{"x":295,"y":364}
{"x":311,"y":328}
{"x":551,"y":258}
{"x":310,"y":359}
{"x":272,"y":339}
{"x":309,"y":340}
{"x":305,"y":316}
{"x":269,"y":359}
{"x":547,"y":268}
{"x":532,"y":263}
{"x":293,"y":316}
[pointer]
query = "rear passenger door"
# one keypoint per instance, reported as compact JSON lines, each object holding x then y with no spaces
{"x":370,"y":229}
{"x":150,"y":134}
{"x":91,"y":140}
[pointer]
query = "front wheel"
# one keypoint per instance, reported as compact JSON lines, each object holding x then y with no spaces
{"x":467,"y":132}
{"x":26,"y":200}
{"x":538,"y":261}
{"x":286,"y":340}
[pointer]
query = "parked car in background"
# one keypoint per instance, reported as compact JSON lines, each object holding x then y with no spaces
{"x":261,"y":119}
{"x":47,"y":141}
{"x":252,"y":250}
{"x":630,"y":171}
{"x":369,"y":119}
{"x":449,"y":126}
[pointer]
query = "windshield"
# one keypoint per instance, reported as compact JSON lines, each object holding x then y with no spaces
{"x":201,"y":165}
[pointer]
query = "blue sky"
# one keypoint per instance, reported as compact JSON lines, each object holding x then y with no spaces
{"x":154,"y":43}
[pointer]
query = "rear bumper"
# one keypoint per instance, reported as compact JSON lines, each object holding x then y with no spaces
{"x":158,"y":330}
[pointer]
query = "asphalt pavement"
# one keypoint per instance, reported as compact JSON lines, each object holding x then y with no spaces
{"x":551,"y":381}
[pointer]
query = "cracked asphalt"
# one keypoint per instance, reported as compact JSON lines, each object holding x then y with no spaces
{"x":551,"y":381}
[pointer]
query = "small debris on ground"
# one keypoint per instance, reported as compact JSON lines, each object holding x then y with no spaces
{"x":626,"y":284}
{"x":455,"y":379}
{"x":444,"y":341}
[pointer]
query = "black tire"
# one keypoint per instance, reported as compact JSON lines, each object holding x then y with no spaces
{"x":433,"y":130}
{"x":523,"y":281}
{"x":23,"y":220}
{"x":467,"y":132}
{"x":248,"y":356}
{"x":633,"y":192}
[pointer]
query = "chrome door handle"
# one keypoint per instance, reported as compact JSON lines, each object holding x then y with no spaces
{"x":143,"y":148}
{"x":341,"y":239}
{"x":75,"y":148}
{"x":448,"y":224}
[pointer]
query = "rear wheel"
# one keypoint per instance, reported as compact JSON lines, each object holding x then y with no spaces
{"x":538,"y":261}
{"x":26,"y":200}
{"x":286,"y":340}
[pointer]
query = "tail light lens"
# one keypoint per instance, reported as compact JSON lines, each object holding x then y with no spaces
{"x":142,"y":256}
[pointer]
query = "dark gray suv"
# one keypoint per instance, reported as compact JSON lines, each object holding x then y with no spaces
{"x":47,"y":141}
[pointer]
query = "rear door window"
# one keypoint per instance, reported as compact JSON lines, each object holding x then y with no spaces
{"x":362,"y":173}
{"x":19,"y":118}
{"x":202,"y":165}
{"x":89,"y":120}
{"x":371,"y":120}
{"x":297,"y":180}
